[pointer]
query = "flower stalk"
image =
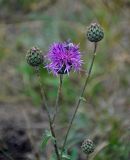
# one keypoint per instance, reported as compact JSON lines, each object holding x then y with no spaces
{"x":79,"y":100}
{"x":87,"y":157}
{"x":58,"y":97}
{"x":48,"y":114}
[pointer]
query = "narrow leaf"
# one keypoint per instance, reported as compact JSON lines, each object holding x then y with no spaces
{"x":66,"y":157}
{"x":83,"y":99}
{"x":45,"y":139}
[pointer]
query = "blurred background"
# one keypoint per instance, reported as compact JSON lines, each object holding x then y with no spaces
{"x":104,"y":117}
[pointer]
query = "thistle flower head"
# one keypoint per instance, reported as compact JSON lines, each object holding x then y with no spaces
{"x":95,"y":32}
{"x":34,"y":57}
{"x":63,"y":57}
{"x":88,"y":146}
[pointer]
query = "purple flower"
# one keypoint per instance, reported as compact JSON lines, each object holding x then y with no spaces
{"x":63,"y":57}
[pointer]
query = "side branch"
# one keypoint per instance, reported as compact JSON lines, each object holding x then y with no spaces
{"x":79,"y":100}
{"x":48,"y":114}
{"x":58,"y":97}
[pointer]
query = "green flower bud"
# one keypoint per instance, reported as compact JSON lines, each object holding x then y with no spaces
{"x":88,"y":146}
{"x":34,"y":57}
{"x":95,"y":33}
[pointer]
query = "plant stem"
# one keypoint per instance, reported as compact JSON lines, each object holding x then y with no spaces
{"x":55,"y":141}
{"x":80,"y":98}
{"x":58,"y":97}
{"x":48,"y":114}
{"x":87,"y":157}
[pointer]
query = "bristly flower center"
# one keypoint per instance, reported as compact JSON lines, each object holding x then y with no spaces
{"x":63,"y":57}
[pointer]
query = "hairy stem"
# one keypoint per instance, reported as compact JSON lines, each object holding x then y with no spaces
{"x":87,"y":157}
{"x":48,"y":114}
{"x":80,"y":98}
{"x":58,"y":97}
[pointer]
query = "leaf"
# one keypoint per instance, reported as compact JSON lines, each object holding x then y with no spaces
{"x":74,"y":154}
{"x":66,"y":156}
{"x":45,"y":139}
{"x":83,"y":99}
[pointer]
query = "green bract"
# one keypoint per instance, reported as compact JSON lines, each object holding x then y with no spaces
{"x":88,"y":146}
{"x":34,"y":57}
{"x":95,"y":33}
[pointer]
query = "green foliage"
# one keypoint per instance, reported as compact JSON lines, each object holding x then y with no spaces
{"x":45,"y":139}
{"x":65,"y":156}
{"x":74,"y":154}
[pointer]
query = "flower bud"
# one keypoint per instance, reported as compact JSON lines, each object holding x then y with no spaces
{"x":88,"y":146}
{"x":95,"y":33}
{"x":34,"y":57}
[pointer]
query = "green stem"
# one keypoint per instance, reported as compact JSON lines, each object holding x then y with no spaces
{"x":58,"y":97}
{"x":80,"y":98}
{"x":87,"y":157}
{"x":48,"y":114}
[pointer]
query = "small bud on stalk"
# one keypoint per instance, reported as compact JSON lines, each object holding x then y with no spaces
{"x":95,"y":33}
{"x":88,"y":146}
{"x":34,"y":57}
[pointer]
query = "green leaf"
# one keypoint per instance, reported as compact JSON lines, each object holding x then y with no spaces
{"x":45,"y":139}
{"x":66,"y":156}
{"x":83,"y":99}
{"x":74,"y":154}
